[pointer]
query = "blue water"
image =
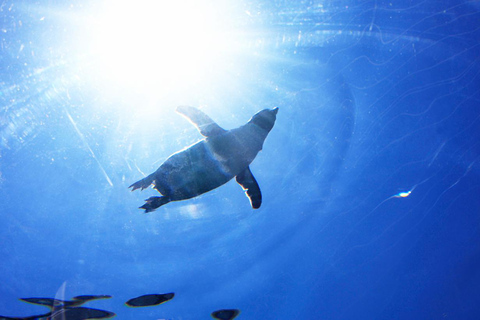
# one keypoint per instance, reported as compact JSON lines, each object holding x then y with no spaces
{"x":370,"y":177}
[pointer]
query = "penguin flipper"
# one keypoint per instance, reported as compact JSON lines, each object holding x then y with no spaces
{"x":250,"y":185}
{"x":153,"y":203}
{"x":205,"y":125}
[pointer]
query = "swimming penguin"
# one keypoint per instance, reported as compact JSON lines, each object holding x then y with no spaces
{"x":211,"y":162}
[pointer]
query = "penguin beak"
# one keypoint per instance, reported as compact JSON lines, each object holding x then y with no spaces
{"x":275,"y":110}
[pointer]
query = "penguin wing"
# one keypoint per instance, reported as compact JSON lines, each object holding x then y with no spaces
{"x":250,"y":185}
{"x":204,"y":123}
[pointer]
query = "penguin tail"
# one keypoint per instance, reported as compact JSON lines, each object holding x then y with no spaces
{"x":142,"y":184}
{"x":153,"y":203}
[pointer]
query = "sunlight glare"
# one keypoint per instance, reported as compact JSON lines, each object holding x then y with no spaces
{"x":155,"y":45}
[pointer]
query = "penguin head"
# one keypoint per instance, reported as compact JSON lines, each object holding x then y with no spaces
{"x":265,"y":119}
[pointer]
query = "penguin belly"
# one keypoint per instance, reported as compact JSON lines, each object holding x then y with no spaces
{"x":191,"y":172}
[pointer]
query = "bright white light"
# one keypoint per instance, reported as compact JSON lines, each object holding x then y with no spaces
{"x":156,"y":45}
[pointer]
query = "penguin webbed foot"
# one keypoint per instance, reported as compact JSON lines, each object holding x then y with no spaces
{"x":152,"y":203}
{"x":142,"y":184}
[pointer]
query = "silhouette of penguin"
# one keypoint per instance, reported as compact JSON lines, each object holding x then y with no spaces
{"x":211,"y":162}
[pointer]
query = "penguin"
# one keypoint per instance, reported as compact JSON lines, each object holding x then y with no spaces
{"x":211,"y":162}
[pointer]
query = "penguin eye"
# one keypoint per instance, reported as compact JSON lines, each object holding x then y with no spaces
{"x":265,"y":120}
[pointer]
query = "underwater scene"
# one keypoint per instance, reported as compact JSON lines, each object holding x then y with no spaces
{"x":220,"y":159}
